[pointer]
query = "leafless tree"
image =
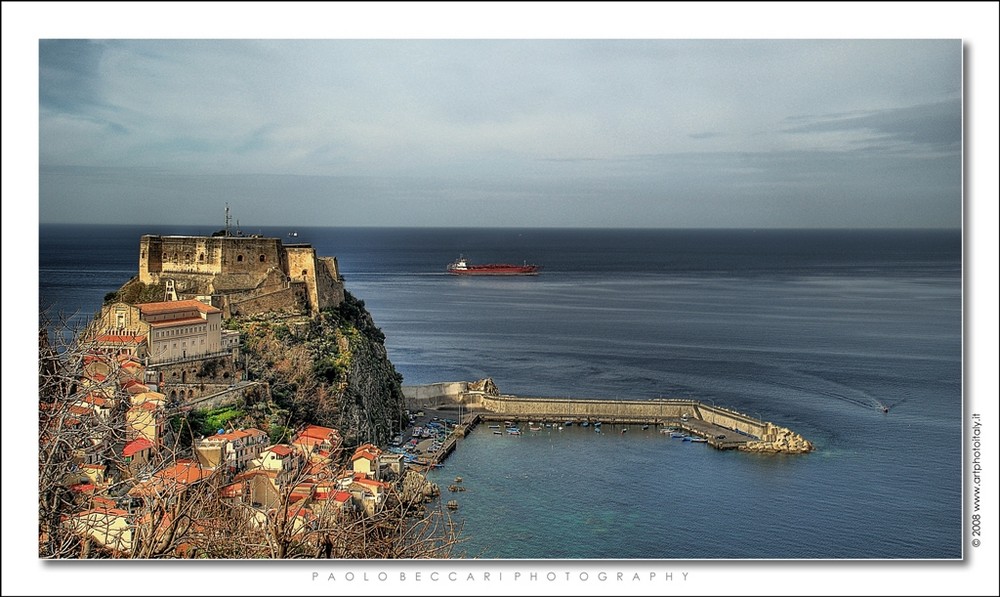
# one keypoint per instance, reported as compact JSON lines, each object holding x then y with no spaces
{"x":94,"y":502}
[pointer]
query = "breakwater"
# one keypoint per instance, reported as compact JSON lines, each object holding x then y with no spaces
{"x":722,"y":427}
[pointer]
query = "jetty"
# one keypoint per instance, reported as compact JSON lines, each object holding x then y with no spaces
{"x":722,"y":428}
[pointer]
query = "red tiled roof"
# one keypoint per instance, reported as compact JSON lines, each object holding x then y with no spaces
{"x":315,"y":431}
{"x":176,"y":322}
{"x":233,"y":490}
{"x":80,"y":410}
{"x":136,"y":445}
{"x":102,"y":511}
{"x":127,"y":362}
{"x":280,"y":450}
{"x":184,"y":472}
{"x":96,"y":400}
{"x":307,"y":441}
{"x":364,"y":454}
{"x":254,"y":472}
{"x":171,"y":306}
{"x":341,"y":496}
{"x":103,"y":502}
{"x":147,"y":405}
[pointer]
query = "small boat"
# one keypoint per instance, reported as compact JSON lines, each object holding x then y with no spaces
{"x":677,"y":435}
{"x":697,"y":440}
{"x":293,"y":234}
{"x":497,"y":432}
{"x":885,"y":409}
{"x":533,"y":428}
{"x":585,"y":424}
{"x":624,"y":429}
{"x":494,"y":427}
{"x":568,"y":424}
{"x":645,"y":427}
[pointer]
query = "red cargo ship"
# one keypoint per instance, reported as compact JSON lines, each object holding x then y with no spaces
{"x":462,"y":268}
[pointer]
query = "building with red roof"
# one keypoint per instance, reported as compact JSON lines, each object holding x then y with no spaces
{"x":365,"y":460}
{"x":234,"y":450}
{"x":322,"y":441}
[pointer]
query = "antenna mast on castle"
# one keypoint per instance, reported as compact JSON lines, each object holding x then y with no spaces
{"x":228,"y":218}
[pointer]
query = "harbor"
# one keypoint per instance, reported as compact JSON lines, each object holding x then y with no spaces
{"x":472,"y":403}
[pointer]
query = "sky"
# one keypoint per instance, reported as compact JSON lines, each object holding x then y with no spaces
{"x":660,"y":133}
{"x":122,"y":126}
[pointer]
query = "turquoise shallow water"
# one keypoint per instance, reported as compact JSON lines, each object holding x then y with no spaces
{"x":809,"y":329}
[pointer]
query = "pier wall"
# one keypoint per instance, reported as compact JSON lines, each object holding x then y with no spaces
{"x":709,"y":421}
{"x":437,"y":394}
{"x":628,"y":411}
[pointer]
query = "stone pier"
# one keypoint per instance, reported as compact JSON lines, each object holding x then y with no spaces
{"x":722,"y":427}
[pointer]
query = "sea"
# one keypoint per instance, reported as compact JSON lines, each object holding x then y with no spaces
{"x":815,"y":330}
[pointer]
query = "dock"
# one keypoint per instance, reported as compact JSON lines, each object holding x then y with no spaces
{"x":722,"y":428}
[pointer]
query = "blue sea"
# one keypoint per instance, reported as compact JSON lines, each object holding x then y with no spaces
{"x":811,"y":329}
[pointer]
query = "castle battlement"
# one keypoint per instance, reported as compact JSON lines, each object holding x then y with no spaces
{"x":244,"y":274}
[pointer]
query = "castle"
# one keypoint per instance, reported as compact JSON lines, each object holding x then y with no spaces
{"x":243,"y":275}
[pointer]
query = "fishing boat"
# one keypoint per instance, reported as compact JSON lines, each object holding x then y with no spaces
{"x":464,"y":268}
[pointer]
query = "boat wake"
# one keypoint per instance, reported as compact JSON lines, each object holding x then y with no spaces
{"x":839,"y":392}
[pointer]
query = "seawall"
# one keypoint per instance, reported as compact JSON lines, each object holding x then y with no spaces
{"x":722,"y":427}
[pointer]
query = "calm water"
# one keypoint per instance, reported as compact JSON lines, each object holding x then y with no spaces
{"x":810,"y":329}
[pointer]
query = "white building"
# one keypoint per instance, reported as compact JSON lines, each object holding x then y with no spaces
{"x":181,"y":329}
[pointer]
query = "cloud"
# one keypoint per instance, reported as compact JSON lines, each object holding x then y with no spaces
{"x":937,"y":125}
{"x":412,"y":124}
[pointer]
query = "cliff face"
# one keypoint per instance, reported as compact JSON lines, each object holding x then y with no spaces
{"x":331,"y":369}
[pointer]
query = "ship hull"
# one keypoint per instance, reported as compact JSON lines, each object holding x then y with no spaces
{"x":462,"y":268}
{"x":516,"y":270}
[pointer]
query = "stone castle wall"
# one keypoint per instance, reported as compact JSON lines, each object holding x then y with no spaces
{"x":294,"y":298}
{"x":243,"y":270}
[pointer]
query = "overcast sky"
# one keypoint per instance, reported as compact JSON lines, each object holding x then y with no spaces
{"x":653,"y":133}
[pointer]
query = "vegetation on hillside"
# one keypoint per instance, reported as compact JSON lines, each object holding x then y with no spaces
{"x":329,"y":370}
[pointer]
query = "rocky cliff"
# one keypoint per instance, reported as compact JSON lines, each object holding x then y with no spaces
{"x":330,"y":369}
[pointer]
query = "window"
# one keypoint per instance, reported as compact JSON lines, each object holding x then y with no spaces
{"x":201,"y":257}
{"x":239,"y":259}
{"x":262,"y":259}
